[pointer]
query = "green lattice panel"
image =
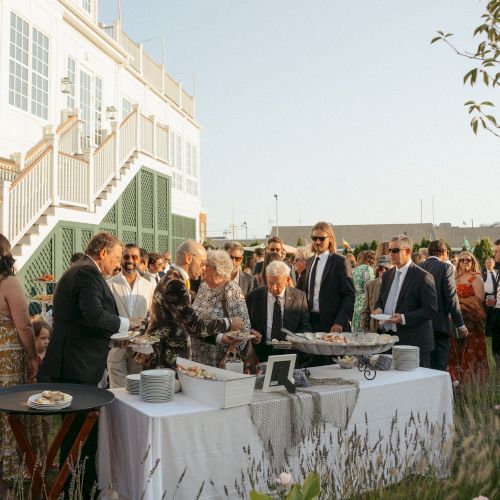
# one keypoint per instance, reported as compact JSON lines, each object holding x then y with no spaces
{"x":129,"y":204}
{"x":114,"y":232}
{"x":162,"y":203}
{"x":147,"y":199}
{"x":148,"y":242}
{"x":67,"y":245}
{"x":41,"y":264}
{"x":183,"y":227}
{"x":129,"y":237}
{"x":110,"y":216}
{"x":86,"y":237}
{"x":163,"y":245}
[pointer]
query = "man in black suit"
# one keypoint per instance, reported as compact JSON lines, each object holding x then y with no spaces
{"x":276,"y":306}
{"x":495,"y":303}
{"x":244,"y":280}
{"x":408,"y":294}
{"x":447,"y":303}
{"x":84,"y":318}
{"x":329,"y":285}
{"x":275,"y":245}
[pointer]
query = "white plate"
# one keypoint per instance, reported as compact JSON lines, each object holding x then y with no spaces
{"x":124,"y":335}
{"x":381,"y":317}
{"x":239,"y":336}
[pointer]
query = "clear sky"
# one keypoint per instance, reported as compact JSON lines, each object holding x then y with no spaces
{"x":342,"y":108}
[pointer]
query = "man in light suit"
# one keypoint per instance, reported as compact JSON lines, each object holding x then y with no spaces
{"x":133,"y":295}
{"x":447,"y":303}
{"x":276,"y":306}
{"x":408,"y":294}
{"x":329,"y":285}
{"x":244,"y":280}
{"x":84,"y":318}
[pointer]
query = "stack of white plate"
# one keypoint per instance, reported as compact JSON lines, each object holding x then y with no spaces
{"x":157,"y":386}
{"x":406,"y":357}
{"x":133,"y":383}
{"x":54,"y":405}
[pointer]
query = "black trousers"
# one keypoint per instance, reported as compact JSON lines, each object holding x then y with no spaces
{"x":88,"y":453}
{"x":439,"y":356}
{"x":425,"y":359}
{"x":490,"y":315}
{"x":495,"y":333}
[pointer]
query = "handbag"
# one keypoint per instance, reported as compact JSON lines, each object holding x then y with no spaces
{"x":247,"y":355}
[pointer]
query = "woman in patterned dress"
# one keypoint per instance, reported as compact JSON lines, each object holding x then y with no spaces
{"x":468,"y":358}
{"x":218,"y":293}
{"x":18,"y":364}
{"x":362,"y":273}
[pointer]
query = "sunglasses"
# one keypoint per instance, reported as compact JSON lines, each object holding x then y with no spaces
{"x":464,"y":260}
{"x":394,"y":250}
{"x":237,"y":259}
{"x":319,"y":238}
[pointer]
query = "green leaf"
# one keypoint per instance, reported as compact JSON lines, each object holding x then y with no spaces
{"x":294,"y":493}
{"x":473,"y":76}
{"x":255,"y":495}
{"x":492,"y":119}
{"x":487,"y":103}
{"x":311,"y":487}
{"x":483,"y":123}
{"x":468,"y":103}
{"x":435,"y":39}
{"x":486,"y":78}
{"x":467,"y":76}
{"x":474,"y":125}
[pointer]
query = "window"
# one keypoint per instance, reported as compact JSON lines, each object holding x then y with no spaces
{"x":191,"y":169}
{"x":98,"y":111}
{"x":19,"y":62}
{"x":85,"y":103}
{"x":87,"y":5}
{"x":28,"y":68}
{"x":126,"y":108}
{"x":175,"y":157}
{"x":40,"y":75}
{"x":71,"y":69}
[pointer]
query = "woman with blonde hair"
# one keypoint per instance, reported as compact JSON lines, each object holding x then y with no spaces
{"x":468,"y":358}
{"x":382,"y":249}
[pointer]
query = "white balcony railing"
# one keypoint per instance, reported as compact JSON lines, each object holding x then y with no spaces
{"x":53,"y":177}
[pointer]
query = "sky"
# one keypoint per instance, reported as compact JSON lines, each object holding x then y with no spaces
{"x":343,"y":109}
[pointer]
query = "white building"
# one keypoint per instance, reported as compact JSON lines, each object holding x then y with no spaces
{"x":93,"y":134}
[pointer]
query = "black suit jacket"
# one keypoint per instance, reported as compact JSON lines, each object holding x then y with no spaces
{"x":85,"y":316}
{"x":245,"y":281}
{"x":295,"y":316}
{"x":446,"y":292}
{"x":417,"y":301}
{"x":336,"y":293}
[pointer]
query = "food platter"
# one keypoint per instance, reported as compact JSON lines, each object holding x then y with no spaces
{"x":124,"y":335}
{"x":241,"y":335}
{"x":343,"y":344}
{"x":381,"y":317}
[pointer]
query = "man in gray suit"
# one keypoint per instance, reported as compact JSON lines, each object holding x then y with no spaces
{"x":277,"y":306}
{"x":408,"y":294}
{"x":447,"y":303}
{"x":244,"y":280}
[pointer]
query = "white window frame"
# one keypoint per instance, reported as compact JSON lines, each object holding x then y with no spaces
{"x":98,"y":90}
{"x":127,"y":107}
{"x":72,"y":76}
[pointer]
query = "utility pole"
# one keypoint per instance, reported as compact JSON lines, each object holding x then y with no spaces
{"x":245,"y":226}
{"x":277,"y":225}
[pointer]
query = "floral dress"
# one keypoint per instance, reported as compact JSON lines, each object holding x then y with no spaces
{"x":361,"y":275}
{"x":468,"y":358}
{"x":208,"y":306}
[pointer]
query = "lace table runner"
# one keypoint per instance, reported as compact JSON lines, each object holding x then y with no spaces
{"x":282,"y":419}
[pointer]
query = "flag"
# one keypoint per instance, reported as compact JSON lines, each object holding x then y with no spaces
{"x":346,"y":245}
{"x":467,"y":244}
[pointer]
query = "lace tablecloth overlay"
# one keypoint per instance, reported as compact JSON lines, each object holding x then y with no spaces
{"x":282,"y":419}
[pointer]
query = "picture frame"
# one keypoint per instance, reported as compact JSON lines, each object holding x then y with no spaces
{"x":279,"y":373}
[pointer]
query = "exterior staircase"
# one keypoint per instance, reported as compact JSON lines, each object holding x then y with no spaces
{"x":58,"y":180}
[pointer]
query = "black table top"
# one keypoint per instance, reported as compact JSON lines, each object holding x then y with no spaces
{"x":85,"y":398}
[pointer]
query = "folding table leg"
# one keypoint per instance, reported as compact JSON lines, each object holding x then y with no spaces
{"x":61,"y":434}
{"x":83,"y":434}
{"x":25,"y":446}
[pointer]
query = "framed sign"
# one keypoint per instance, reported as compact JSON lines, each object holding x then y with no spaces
{"x":279,"y":373}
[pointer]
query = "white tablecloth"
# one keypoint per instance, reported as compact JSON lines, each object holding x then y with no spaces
{"x":145,"y":447}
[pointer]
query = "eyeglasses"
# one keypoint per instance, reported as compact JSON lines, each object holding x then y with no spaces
{"x":394,"y":250}
{"x":464,"y":260}
{"x":274,"y":249}
{"x":319,"y":238}
{"x":237,"y":259}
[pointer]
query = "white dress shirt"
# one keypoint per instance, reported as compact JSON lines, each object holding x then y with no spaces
{"x":271,"y":299}
{"x":403,"y":271}
{"x":489,"y":287}
{"x":323,"y":258}
{"x":130,"y":293}
{"x":124,"y":322}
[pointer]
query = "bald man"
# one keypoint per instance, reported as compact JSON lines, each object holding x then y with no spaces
{"x":188,"y":261}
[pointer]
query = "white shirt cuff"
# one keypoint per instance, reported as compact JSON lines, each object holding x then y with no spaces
{"x":403,"y":321}
{"x":218,"y":340}
{"x":124,"y":325}
{"x":228,"y":323}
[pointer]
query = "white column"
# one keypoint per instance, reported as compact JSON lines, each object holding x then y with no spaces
{"x":90,"y":178}
{"x":138,"y":127}
{"x":19,"y":159}
{"x":116,"y":150}
{"x":53,"y":140}
{"x":5,"y":208}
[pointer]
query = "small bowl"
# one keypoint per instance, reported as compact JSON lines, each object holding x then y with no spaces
{"x":344,"y":363}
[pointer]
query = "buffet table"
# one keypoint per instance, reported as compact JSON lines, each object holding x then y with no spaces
{"x":144,"y":448}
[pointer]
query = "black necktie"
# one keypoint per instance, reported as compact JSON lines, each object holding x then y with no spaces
{"x":312,"y":283}
{"x":277,"y":321}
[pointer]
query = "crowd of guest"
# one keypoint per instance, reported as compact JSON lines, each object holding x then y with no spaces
{"x":189,"y":306}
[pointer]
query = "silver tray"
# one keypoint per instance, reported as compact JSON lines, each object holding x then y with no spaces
{"x":359,"y":344}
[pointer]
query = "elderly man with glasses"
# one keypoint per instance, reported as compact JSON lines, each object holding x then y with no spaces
{"x":244,"y":280}
{"x":189,"y":261}
{"x":408,"y":295}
